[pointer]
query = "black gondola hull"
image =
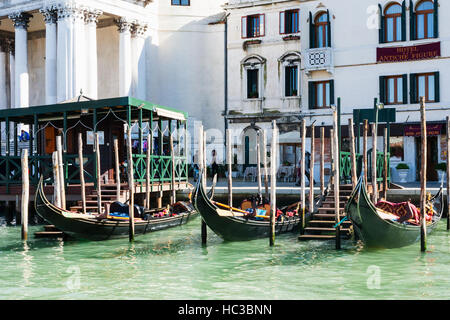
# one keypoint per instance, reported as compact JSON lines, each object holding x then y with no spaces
{"x":381,"y":233}
{"x":93,"y":229}
{"x":232,"y":228}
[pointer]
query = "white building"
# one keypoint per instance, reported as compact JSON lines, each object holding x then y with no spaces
{"x":169,"y":52}
{"x":292,"y":59}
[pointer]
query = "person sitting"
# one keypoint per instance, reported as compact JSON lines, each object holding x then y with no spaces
{"x":24,"y":136}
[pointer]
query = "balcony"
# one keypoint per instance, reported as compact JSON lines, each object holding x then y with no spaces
{"x":319,"y":59}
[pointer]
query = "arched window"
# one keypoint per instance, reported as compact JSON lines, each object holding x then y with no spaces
{"x":393,"y":22}
{"x":425,"y":20}
{"x":321,"y":30}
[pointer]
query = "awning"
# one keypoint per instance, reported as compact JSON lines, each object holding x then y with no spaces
{"x":169,"y":114}
{"x":289,"y":137}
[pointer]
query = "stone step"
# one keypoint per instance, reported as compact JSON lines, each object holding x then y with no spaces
{"x":341,"y":209}
{"x":323,"y":229}
{"x":328,"y":222}
{"x":316,"y":237}
{"x":327,"y":215}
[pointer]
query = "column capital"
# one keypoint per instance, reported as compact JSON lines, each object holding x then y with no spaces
{"x":20,"y":19}
{"x":50,"y":15}
{"x":124,"y":24}
{"x":91,"y":16}
{"x":71,"y":11}
{"x":139,"y":29}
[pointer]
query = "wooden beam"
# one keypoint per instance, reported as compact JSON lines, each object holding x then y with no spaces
{"x":365,"y":162}
{"x":266,"y":173}
{"x":423,"y":177}
{"x":273,"y":182}
{"x":352,"y":152}
{"x":130,"y":184}
{"x":374,"y":164}
{"x":25,"y":193}
{"x":311,"y":171}
{"x":81,"y":161}
{"x":448,"y":173}
{"x":99,"y":183}
{"x":61,"y":172}
{"x":230,"y":170}
{"x":322,"y":160}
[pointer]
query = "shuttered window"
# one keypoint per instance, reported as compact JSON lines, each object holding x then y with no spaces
{"x":320,"y":30}
{"x":425,"y":85}
{"x":393,"y":89}
{"x":289,"y":21}
{"x":291,"y":81}
{"x":253,"y":26}
{"x":321,"y":94}
{"x":425,"y":20}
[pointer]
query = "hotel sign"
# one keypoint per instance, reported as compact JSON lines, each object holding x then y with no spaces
{"x":414,"y":130}
{"x":399,"y":54}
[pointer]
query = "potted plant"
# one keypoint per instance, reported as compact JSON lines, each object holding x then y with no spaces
{"x":441,"y":169}
{"x":403,"y":170}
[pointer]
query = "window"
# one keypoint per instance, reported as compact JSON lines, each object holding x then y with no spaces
{"x":425,"y":85}
{"x":253,"y":26}
{"x":289,"y":21}
{"x":321,"y":27}
{"x":393,"y":89}
{"x":393,"y":22}
{"x":425,"y":20}
{"x":181,"y":2}
{"x":291,"y":81}
{"x":320,"y":30}
{"x":252,"y":83}
{"x":321,"y":94}
{"x":397,"y":149}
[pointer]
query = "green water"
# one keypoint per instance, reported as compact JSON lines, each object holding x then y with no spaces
{"x":172,"y":264}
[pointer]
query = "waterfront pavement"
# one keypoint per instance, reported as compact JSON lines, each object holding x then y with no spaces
{"x":289,"y":188}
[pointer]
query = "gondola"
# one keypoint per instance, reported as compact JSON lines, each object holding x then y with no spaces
{"x":375,"y":231}
{"x":234,"y":226}
{"x":85,"y":226}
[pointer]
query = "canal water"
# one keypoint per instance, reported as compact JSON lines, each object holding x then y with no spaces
{"x":172,"y":264}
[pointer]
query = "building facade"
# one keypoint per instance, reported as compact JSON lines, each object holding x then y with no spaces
{"x":169,"y":52}
{"x":290,"y":60}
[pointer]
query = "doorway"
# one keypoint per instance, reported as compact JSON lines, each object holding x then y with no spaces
{"x":432,"y":158}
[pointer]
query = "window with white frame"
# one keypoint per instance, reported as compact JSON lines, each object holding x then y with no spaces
{"x":290,"y":63}
{"x":253,"y":69}
{"x":253,"y":26}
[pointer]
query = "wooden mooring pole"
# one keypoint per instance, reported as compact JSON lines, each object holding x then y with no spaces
{"x":365,"y":162}
{"x":172,"y":153}
{"x":273,"y":183}
{"x":230,"y":169}
{"x":448,"y":173}
{"x":322,"y":160}
{"x":202,"y":168}
{"x":423,"y":177}
{"x":56,"y":190}
{"x":82,"y":182}
{"x":62,"y":192}
{"x":99,"y":181}
{"x":336,"y":178}
{"x":266,"y":173}
{"x":352,"y":152}
{"x":311,"y":170}
{"x":258,"y":163}
{"x":147,"y":170}
{"x":374,"y":164}
{"x":130,"y":184}
{"x":117,"y":167}
{"x":385,"y":161}
{"x":302,"y":174}
{"x":25,"y":194}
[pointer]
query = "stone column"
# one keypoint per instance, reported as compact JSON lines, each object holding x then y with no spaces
{"x":21,"y":20}
{"x":3,"y":89}
{"x":50,"y":17}
{"x":139,"y":60}
{"x":12,"y":72}
{"x":125,"y":70}
{"x":91,"y":63}
{"x":79,"y":52}
{"x":64,"y":52}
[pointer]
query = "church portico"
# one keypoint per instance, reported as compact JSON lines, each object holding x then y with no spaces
{"x":65,"y":34}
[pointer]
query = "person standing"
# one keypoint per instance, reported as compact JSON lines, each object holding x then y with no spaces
{"x":214,"y":166}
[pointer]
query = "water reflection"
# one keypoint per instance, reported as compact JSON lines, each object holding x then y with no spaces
{"x":27,"y":265}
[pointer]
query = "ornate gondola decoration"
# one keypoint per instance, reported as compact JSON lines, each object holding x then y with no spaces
{"x":375,"y":231}
{"x":92,"y":228}
{"x":232,"y":225}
